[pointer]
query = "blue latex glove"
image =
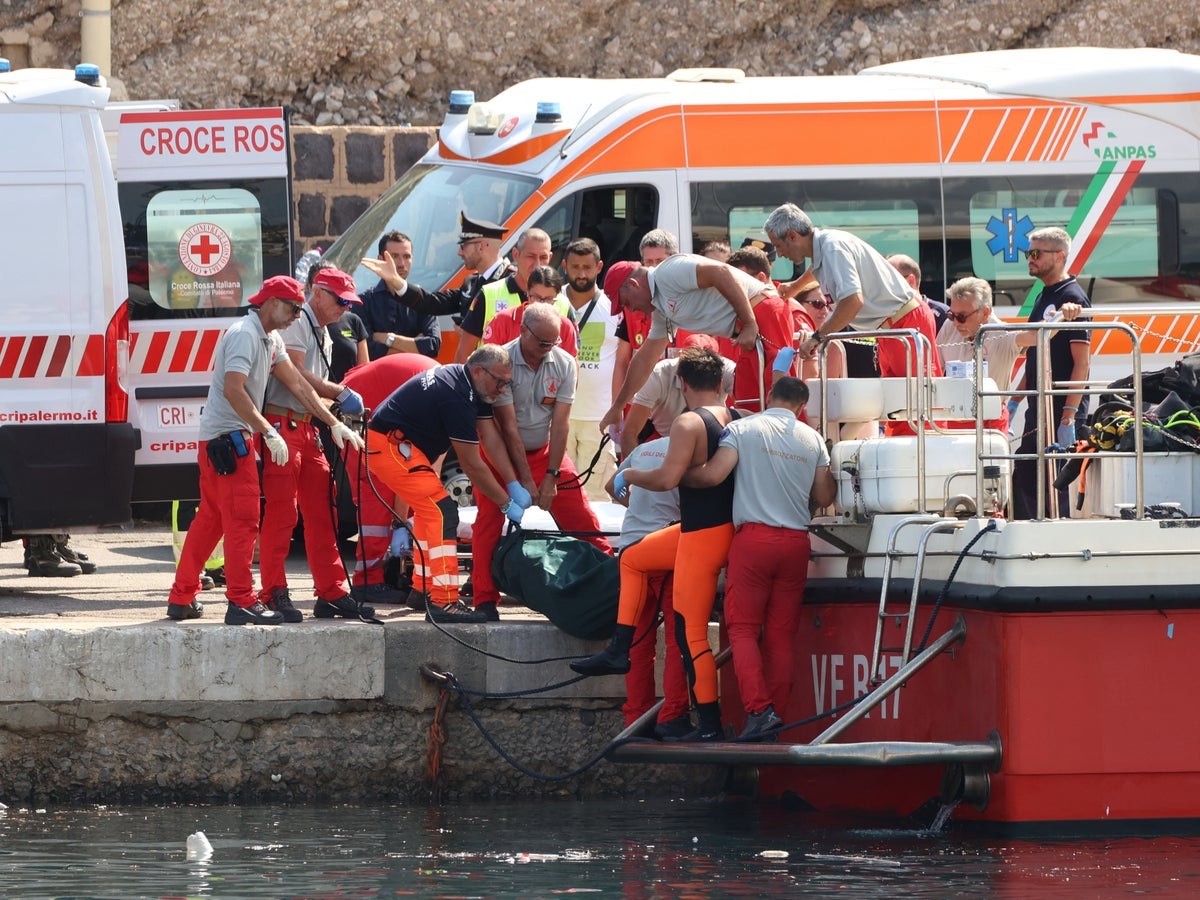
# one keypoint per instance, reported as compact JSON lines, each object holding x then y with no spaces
{"x":1012,"y":406}
{"x":1066,"y":436}
{"x":350,"y":402}
{"x":620,"y":488}
{"x":518,"y":495}
{"x":401,"y":543}
{"x":514,"y":511}
{"x":783,"y":362}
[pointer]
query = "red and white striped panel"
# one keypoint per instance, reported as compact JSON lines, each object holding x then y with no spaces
{"x":51,"y":356}
{"x":167,"y":352}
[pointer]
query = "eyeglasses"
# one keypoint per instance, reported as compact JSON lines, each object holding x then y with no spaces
{"x":501,"y":383}
{"x":545,"y":345}
{"x":819,"y":304}
{"x":534,"y":298}
{"x":1037,"y":254}
{"x":961,"y":318}
{"x":296,"y":307}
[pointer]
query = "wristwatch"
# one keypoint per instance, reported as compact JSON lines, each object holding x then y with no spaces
{"x":818,"y":337}
{"x":553,"y":472}
{"x":391,"y":339}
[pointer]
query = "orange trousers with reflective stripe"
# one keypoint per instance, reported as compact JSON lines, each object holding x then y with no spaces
{"x":697,"y":558}
{"x":435,"y":516}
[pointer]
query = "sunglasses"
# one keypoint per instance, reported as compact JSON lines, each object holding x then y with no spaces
{"x":961,"y":318}
{"x":336,"y":299}
{"x":545,"y":345}
{"x":819,"y":304}
{"x":1038,"y":254}
{"x":296,"y":307}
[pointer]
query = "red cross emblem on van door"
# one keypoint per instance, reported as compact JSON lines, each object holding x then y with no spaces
{"x":205,"y":249}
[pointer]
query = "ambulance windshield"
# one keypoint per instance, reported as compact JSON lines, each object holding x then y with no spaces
{"x":425,"y":205}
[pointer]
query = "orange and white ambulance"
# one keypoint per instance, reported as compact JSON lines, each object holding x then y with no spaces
{"x":951,"y":160}
{"x":66,"y":442}
{"x":206,"y":213}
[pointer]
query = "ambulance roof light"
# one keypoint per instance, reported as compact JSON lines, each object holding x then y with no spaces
{"x":483,"y":119}
{"x":88,"y":73}
{"x":548,"y":111}
{"x":460,"y":102}
{"x":5,"y":65}
{"x":722,"y":76}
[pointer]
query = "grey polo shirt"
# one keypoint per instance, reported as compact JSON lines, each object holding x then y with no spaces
{"x":844,"y":264}
{"x":648,"y":510}
{"x":663,"y":396}
{"x":778,"y":455}
{"x":678,"y":301}
{"x":314,"y":342}
{"x":535,"y":392}
{"x":247,"y":349}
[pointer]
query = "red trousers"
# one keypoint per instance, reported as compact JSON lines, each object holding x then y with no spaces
{"x":764,"y":588}
{"x":570,"y":510}
{"x":375,"y":519}
{"x":774,"y":321}
{"x":696,"y":557}
{"x":302,"y":485}
{"x":402,"y":467}
{"x":640,"y":692}
{"x":229,"y":507}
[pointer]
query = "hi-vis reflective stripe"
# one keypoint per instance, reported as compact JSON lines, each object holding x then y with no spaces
{"x":165,"y":352}
{"x":52,"y":356}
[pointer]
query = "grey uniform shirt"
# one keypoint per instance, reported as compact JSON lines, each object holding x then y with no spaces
{"x":845,"y":264}
{"x":314,"y":341}
{"x":678,"y":301}
{"x":250,"y":351}
{"x":534,"y":393}
{"x":663,"y":396}
{"x":648,"y":510}
{"x":1000,"y":350}
{"x":778,"y":455}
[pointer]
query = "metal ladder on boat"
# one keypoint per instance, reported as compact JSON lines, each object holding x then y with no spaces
{"x":932,"y":525}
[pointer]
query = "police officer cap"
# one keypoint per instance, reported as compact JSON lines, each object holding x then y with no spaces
{"x":759,"y":244}
{"x":473,"y":231}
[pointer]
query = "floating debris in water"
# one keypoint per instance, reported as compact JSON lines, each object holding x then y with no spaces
{"x":774,"y":854}
{"x":198,"y":846}
{"x":861,"y":860}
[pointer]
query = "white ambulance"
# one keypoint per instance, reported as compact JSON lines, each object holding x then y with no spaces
{"x":206,"y":211}
{"x":66,"y":442}
{"x":952,"y":160}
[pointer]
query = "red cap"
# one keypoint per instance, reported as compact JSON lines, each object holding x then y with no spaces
{"x":338,"y":282}
{"x":614,"y":278}
{"x":282,"y":286}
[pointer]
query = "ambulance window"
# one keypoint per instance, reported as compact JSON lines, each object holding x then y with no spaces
{"x":615,"y":217}
{"x":204,"y":248}
{"x":1000,"y":221}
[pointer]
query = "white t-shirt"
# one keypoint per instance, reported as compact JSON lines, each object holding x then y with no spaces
{"x":597,"y":359}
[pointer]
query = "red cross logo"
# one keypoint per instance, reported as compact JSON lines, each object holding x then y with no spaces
{"x":205,"y":249}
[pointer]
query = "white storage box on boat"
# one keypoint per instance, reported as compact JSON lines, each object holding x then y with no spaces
{"x":953,"y":399}
{"x":850,"y":399}
{"x":885,"y":470}
{"x":1168,"y":478}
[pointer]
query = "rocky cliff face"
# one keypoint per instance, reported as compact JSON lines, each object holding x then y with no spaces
{"x":395,"y":61}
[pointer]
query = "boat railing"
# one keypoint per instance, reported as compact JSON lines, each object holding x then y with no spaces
{"x":1042,"y":397}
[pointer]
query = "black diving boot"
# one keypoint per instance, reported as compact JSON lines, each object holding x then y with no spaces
{"x":613,"y":659}
{"x":709,"y":725}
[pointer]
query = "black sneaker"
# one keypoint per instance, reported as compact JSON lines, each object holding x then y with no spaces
{"x":762,"y":726}
{"x":607,"y":662}
{"x":180,"y":611}
{"x":674,"y":729}
{"x":343,"y":606}
{"x":698,"y":735}
{"x":454,"y":612}
{"x":489,"y":610}
{"x":378,"y":593}
{"x":251,"y":615}
{"x":417,"y":600}
{"x":217,"y":575}
{"x":281,"y":601}
{"x":466,"y":589}
{"x":206,"y":582}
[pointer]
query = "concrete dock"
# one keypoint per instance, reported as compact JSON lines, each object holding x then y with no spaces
{"x":103,"y":699}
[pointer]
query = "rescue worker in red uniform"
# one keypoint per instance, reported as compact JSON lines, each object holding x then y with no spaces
{"x":301,"y":482}
{"x":247,"y":355}
{"x":781,"y":471}
{"x":696,"y":548}
{"x":378,"y":505}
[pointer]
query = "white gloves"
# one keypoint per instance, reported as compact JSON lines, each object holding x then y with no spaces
{"x":276,"y":446}
{"x":343,"y":434}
